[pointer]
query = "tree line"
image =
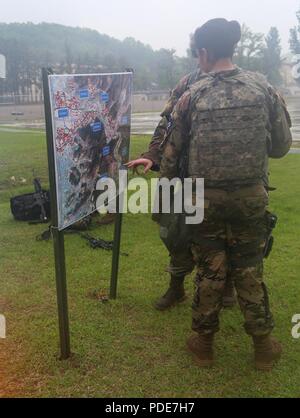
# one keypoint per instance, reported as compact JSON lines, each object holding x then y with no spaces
{"x":29,"y":47}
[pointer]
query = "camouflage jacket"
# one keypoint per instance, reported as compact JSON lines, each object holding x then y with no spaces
{"x":154,"y":152}
{"x":185,"y":113}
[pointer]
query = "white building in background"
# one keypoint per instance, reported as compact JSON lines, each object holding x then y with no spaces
{"x":290,"y":84}
{"x":2,"y":66}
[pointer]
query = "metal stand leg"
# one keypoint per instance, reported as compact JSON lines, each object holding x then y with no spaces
{"x":116,"y":256}
{"x":61,"y":288}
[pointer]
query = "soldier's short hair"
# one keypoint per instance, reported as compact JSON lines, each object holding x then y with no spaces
{"x":219,"y":37}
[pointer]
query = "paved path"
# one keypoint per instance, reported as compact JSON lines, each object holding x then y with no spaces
{"x":142,"y":124}
{"x":145,"y":123}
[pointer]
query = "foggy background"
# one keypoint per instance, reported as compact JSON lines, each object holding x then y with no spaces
{"x":161,"y":24}
{"x":150,"y":37}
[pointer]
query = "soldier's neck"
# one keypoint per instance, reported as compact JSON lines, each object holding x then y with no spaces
{"x":223,"y":65}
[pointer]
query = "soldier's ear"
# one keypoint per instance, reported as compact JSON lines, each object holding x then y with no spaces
{"x":195,"y":53}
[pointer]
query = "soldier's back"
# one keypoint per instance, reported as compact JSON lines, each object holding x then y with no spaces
{"x":230,"y":129}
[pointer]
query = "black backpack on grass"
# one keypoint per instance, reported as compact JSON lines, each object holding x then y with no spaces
{"x":32,"y":207}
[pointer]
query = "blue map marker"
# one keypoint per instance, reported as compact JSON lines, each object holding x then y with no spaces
{"x":84,"y":94}
{"x":106,"y":151}
{"x":104,"y":97}
{"x":63,"y":113}
{"x":104,"y":176}
{"x":124,"y":120}
{"x":96,"y":127}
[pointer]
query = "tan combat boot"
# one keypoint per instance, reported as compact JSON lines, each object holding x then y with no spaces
{"x":174,"y":295}
{"x":267,"y":351}
{"x":202,"y":348}
{"x":229,"y":299}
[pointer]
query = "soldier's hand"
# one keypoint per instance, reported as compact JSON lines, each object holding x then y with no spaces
{"x":147,"y":164}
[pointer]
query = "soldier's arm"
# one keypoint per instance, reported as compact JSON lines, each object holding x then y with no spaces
{"x":281,"y":135}
{"x":154,"y":152}
{"x":177,"y":135}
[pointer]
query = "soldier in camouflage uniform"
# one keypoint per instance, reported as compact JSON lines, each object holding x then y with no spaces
{"x":236,"y":121}
{"x":154,"y":153}
{"x":181,"y":264}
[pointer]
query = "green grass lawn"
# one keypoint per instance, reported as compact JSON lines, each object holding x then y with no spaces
{"x":125,"y":348}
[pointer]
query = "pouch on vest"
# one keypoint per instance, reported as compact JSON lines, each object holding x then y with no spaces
{"x":174,"y":232}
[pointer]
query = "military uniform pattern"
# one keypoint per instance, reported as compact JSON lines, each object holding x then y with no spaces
{"x":231,"y":240}
{"x":180,"y":264}
{"x":154,"y":152}
{"x":185,"y":118}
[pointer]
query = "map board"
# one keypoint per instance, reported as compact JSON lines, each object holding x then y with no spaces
{"x":91,"y":119}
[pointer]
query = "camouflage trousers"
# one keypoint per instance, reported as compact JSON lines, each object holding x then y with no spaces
{"x":181,"y":264}
{"x":231,"y":241}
